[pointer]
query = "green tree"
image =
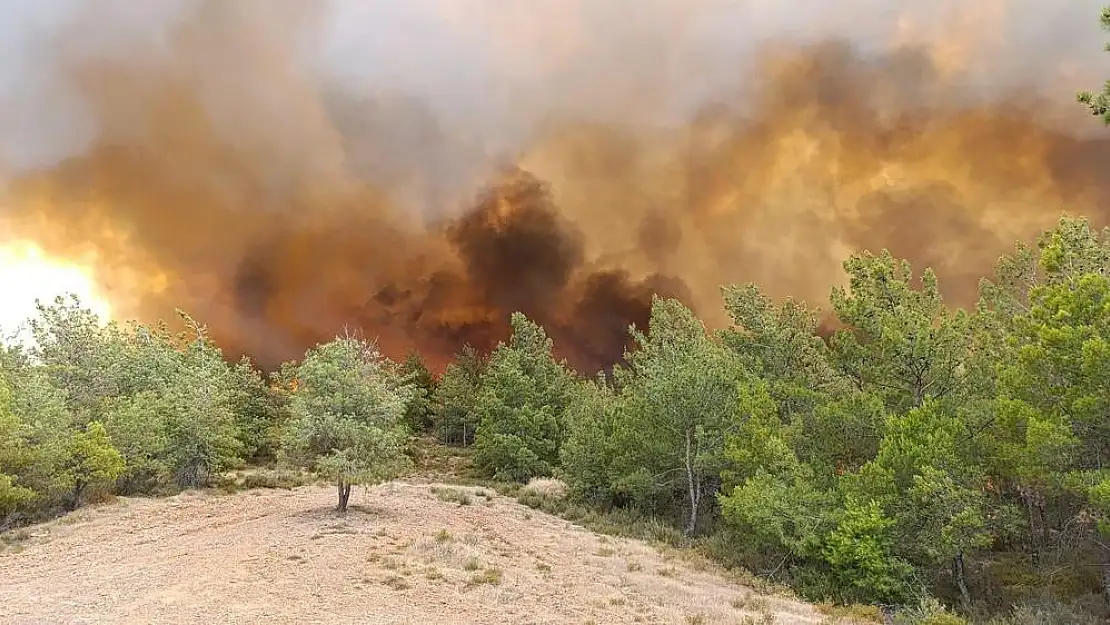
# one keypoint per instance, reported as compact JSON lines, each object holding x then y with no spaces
{"x":931,"y":484}
{"x":1052,"y":434}
{"x":524,"y":394}
{"x":1027,"y":449}
{"x":420,"y":412}
{"x":201,"y":426}
{"x":861,"y":552}
{"x":780,"y":344}
{"x":454,"y":402}
{"x":348,"y":416}
{"x":681,"y":390}
{"x":778,"y":507}
{"x":830,"y":421}
{"x":1099,"y":103}
{"x":14,"y":455}
{"x":902,"y":343}
{"x":259,"y":411}
{"x":87,"y":458}
{"x":85,"y":358}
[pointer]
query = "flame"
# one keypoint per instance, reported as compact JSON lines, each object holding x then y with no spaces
{"x":27,"y":273}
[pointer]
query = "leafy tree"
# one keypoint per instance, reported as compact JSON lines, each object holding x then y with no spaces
{"x":1028,"y":450}
{"x":1052,"y":432}
{"x":781,"y":345}
{"x":524,"y":394}
{"x":861,"y":552}
{"x":929,"y":482}
{"x":593,"y":457}
{"x":681,"y":391}
{"x":902,"y":343}
{"x":419,"y":415}
{"x":199,"y":419}
{"x":14,"y":455}
{"x":87,"y":458}
{"x":454,"y":401}
{"x":776,"y":504}
{"x":259,"y":411}
{"x":347,"y":416}
{"x":92,"y":361}
{"x":1099,"y":103}
{"x":829,"y":420}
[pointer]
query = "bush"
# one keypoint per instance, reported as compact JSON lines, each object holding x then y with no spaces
{"x":928,"y":612}
{"x":546,"y":487}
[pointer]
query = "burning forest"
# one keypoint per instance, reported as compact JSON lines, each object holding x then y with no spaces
{"x":285,"y":173}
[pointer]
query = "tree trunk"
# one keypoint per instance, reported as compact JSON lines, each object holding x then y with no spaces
{"x":693,"y":487}
{"x":1030,"y":513}
{"x":960,"y":574}
{"x":344,"y":489}
{"x":1042,"y":516}
{"x":1106,"y":582}
{"x":1104,"y":578}
{"x":75,"y":500}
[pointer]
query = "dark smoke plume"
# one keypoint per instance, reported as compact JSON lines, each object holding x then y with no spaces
{"x":420,"y":169}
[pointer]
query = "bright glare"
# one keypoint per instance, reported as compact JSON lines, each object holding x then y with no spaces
{"x":27,"y":274}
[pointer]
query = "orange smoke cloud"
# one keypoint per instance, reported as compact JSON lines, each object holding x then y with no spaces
{"x":282,"y":174}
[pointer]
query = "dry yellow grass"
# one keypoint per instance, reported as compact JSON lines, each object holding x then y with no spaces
{"x":546,"y":487}
{"x":402,"y":555}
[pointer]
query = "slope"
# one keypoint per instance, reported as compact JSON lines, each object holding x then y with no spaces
{"x":406,"y":553}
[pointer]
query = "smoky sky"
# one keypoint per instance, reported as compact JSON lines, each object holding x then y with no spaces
{"x":422,"y":168}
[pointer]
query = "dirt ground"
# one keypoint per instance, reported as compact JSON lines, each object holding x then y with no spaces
{"x":403,"y":554}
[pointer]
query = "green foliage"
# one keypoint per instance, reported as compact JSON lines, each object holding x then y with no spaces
{"x":347,"y":415}
{"x":592,"y":456}
{"x":655,"y":436}
{"x":454,"y":411}
{"x":681,"y":393}
{"x":1099,"y":102}
{"x":522,"y":399}
{"x":86,"y":458}
{"x":860,"y":551}
{"x":260,"y":410}
{"x":902,"y":343}
{"x":928,"y":611}
{"x":419,"y":414}
{"x":13,"y":455}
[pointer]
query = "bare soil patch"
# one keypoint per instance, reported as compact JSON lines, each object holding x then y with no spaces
{"x":403,"y":554}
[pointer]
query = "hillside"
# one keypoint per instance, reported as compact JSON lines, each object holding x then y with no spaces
{"x":405,"y":553}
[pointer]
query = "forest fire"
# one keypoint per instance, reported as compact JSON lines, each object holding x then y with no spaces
{"x":281,"y":202}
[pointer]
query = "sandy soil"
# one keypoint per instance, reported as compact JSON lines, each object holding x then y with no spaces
{"x":401,"y":555}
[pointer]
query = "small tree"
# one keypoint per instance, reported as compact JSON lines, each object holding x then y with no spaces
{"x":87,"y":458}
{"x":13,"y":453}
{"x":682,"y":389}
{"x":347,"y":419}
{"x":419,"y":413}
{"x":523,"y":396}
{"x":454,"y":402}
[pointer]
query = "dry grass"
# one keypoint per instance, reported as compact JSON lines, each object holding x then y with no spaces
{"x":546,"y":487}
{"x":405,"y":553}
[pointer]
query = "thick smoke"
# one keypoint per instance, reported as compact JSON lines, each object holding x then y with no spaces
{"x":421,"y":168}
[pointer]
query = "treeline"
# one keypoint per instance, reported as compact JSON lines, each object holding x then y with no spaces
{"x":920,"y":451}
{"x":94,"y":408}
